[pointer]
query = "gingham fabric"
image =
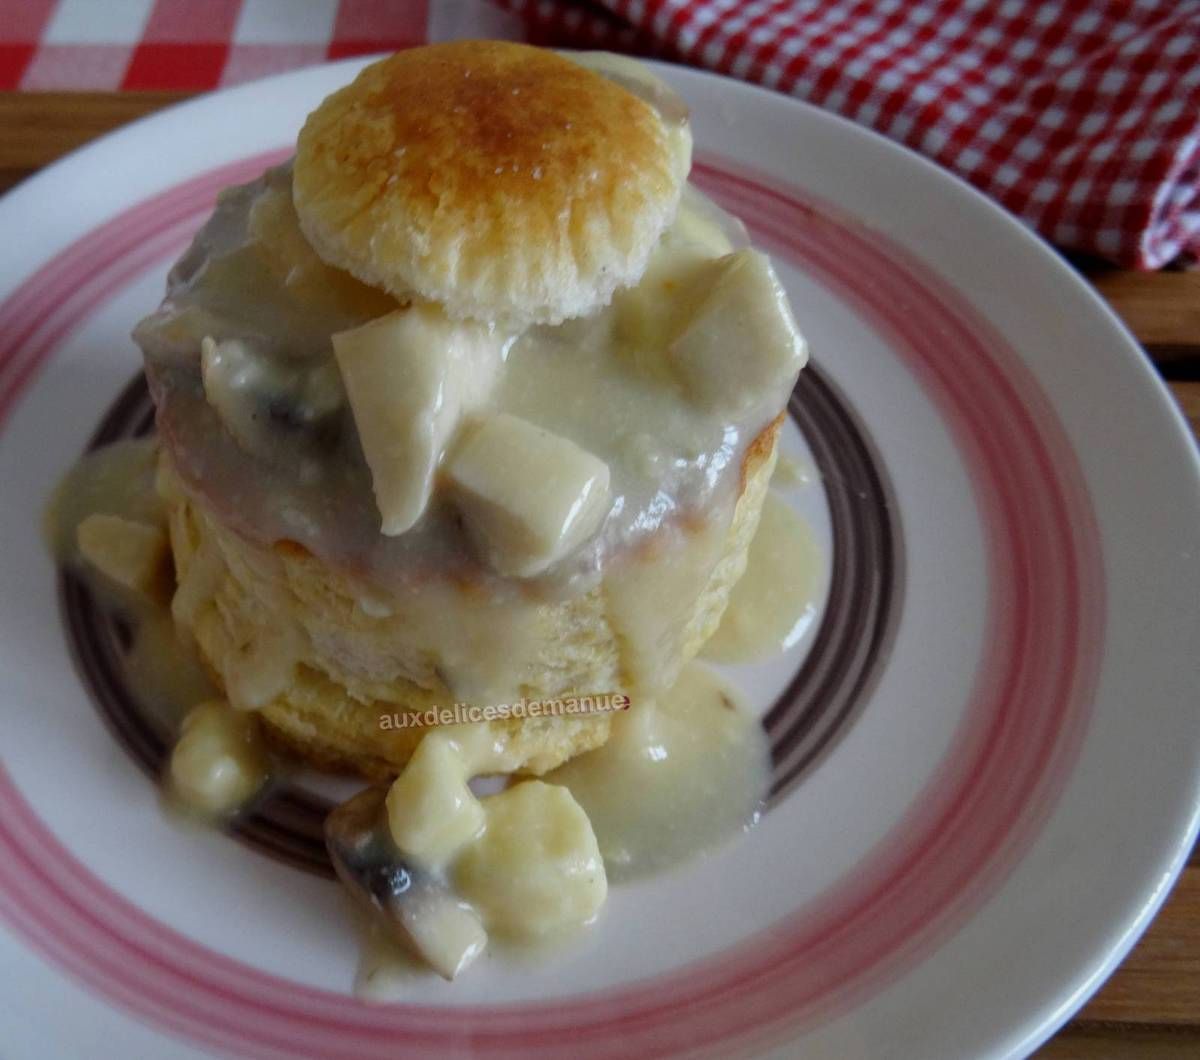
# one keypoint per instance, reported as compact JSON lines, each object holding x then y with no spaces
{"x":1080,"y":116}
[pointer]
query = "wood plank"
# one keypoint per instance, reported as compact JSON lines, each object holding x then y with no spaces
{"x":1188,"y":396}
{"x":1159,"y":982}
{"x":1161,"y":308}
{"x":38,"y":127}
{"x":1121,"y":1042}
{"x":13,"y":176}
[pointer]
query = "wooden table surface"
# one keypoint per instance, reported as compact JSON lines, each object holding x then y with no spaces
{"x":1150,"y":1008}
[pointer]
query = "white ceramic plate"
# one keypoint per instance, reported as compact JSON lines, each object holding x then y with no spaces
{"x":988,"y":746}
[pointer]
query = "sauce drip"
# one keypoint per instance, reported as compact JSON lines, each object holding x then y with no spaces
{"x":115,"y":480}
{"x":166,"y":676}
{"x":678,"y":776}
{"x":776,"y":600}
{"x":792,"y":471}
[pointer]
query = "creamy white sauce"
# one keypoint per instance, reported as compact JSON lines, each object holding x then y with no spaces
{"x":389,"y":973}
{"x":162,"y":665}
{"x":164,"y":670}
{"x":115,"y":480}
{"x":776,"y":599}
{"x":651,"y":597}
{"x":678,"y":776}
{"x":792,"y":472}
{"x":599,"y":381}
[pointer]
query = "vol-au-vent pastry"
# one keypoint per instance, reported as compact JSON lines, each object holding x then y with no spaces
{"x":475,"y":400}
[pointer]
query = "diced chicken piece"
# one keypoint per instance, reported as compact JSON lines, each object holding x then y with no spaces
{"x":409,"y":376}
{"x":432,"y":813}
{"x":130,"y":553}
{"x":652,"y":312}
{"x":444,"y":930}
{"x":740,"y":342}
{"x":218,"y":763}
{"x":537,"y":871}
{"x":529,"y":497}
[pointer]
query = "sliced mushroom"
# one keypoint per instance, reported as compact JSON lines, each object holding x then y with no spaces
{"x":420,"y":911}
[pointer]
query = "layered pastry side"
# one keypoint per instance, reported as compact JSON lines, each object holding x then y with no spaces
{"x":473,"y":402}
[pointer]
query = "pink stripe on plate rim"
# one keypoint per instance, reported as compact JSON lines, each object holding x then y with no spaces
{"x":1023,"y":722}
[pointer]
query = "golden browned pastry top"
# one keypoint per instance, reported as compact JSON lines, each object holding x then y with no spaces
{"x":502,"y":180}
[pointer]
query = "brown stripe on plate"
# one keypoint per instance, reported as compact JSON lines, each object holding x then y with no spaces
{"x":818,"y":705}
{"x":863,"y":603}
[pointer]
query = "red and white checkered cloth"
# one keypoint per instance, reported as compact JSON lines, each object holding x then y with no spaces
{"x":1080,"y":116}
